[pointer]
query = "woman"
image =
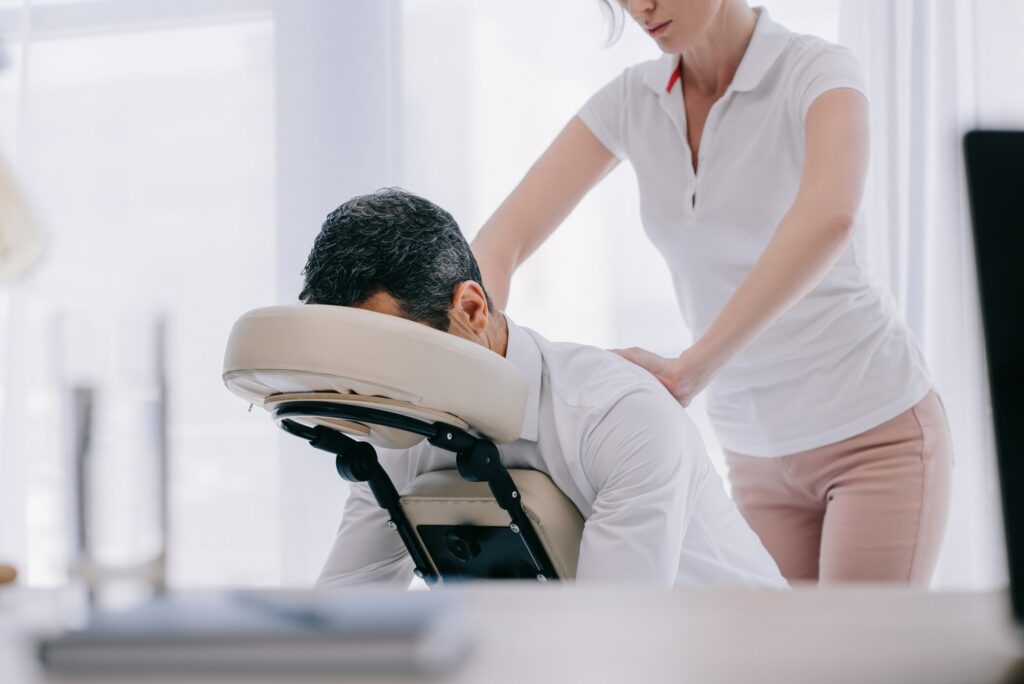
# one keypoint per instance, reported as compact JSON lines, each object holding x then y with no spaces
{"x":750,"y":145}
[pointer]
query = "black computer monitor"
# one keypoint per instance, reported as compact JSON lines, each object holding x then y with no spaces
{"x":995,"y":183}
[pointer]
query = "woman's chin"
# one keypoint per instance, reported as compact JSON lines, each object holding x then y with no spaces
{"x":669,"y":46}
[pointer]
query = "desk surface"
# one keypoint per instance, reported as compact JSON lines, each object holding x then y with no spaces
{"x":594,"y":634}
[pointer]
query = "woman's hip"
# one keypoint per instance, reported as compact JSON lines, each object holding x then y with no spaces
{"x":900,"y":448}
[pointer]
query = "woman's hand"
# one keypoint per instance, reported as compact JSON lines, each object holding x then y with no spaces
{"x":685,"y":376}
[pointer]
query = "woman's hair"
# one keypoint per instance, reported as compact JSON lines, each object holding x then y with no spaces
{"x":616,"y":19}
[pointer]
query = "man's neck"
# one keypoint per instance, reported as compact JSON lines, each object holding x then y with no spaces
{"x":497,"y":333}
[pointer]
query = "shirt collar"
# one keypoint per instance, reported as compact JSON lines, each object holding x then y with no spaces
{"x":525,"y":354}
{"x":766,"y":44}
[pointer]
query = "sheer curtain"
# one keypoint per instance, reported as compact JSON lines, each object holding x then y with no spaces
{"x":936,"y":68}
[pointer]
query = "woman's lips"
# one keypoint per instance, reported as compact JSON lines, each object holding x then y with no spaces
{"x":658,"y":29}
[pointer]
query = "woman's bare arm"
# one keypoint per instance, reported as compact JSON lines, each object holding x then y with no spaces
{"x":573,"y":163}
{"x":814,"y":231}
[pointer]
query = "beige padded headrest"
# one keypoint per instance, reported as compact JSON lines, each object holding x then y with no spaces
{"x":369,"y":358}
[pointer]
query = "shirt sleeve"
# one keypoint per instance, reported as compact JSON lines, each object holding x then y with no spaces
{"x":826,"y":68}
{"x":366,"y":550}
{"x":604,"y":115}
{"x":647,"y":464}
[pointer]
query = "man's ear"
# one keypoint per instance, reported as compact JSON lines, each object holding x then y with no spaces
{"x":469,"y":309}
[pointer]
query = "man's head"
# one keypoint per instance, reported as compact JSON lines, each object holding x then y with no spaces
{"x":399,"y":254}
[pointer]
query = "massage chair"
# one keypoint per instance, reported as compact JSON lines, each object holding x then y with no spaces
{"x":350,"y":381}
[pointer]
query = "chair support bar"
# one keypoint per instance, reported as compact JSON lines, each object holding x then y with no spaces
{"x":477,"y":459}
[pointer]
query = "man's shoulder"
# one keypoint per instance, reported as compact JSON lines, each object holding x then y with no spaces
{"x":587,"y":377}
{"x":620,"y":413}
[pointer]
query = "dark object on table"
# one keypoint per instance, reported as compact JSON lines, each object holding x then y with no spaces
{"x":995,"y":180}
{"x":279,"y":633}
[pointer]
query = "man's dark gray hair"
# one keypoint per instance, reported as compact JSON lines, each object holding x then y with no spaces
{"x":394,"y":242}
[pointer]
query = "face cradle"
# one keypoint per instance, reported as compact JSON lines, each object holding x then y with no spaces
{"x":675,"y":25}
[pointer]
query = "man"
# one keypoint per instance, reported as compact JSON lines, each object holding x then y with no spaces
{"x":606,"y":432}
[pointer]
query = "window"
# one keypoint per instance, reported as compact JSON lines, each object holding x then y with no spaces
{"x":148,"y":149}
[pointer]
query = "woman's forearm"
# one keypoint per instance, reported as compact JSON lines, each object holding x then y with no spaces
{"x":812,"y":234}
{"x":796,"y":259}
{"x":804,"y":247}
{"x":571,"y":165}
{"x":497,"y":254}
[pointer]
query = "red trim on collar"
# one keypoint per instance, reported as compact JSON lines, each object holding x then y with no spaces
{"x":675,"y":76}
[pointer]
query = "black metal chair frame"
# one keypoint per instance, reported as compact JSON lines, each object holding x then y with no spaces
{"x":477,"y":460}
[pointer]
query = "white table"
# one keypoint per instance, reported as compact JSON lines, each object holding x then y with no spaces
{"x":593,"y":634}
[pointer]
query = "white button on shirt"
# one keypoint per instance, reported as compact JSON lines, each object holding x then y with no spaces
{"x":840,"y":361}
{"x":613,"y":439}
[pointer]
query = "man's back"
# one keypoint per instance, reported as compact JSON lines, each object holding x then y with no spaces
{"x":617,"y":444}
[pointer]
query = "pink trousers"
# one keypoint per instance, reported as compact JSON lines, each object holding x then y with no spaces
{"x":871,"y":508}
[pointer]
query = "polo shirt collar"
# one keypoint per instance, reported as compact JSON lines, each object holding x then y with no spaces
{"x":525,"y":354}
{"x":766,"y":44}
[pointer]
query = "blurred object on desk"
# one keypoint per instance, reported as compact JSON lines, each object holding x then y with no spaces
{"x":8,"y":573}
{"x":111,"y":366}
{"x":261,"y":633}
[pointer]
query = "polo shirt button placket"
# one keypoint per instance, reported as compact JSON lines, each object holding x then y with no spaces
{"x":701,"y":156}
{"x":696,"y":176}
{"x":710,"y":127}
{"x":705,"y":138}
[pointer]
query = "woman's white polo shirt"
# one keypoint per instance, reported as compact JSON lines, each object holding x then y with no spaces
{"x":840,"y":361}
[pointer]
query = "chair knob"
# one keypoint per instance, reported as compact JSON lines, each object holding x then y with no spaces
{"x":461,"y":542}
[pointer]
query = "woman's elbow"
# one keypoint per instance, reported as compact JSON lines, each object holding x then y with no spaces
{"x":839,"y":225}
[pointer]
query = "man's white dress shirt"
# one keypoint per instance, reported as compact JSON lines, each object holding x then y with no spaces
{"x":620,"y":447}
